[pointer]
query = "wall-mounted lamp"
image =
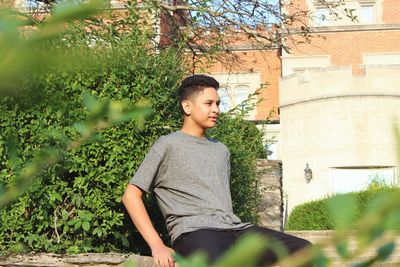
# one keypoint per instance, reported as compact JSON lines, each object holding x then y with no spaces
{"x":308,"y":173}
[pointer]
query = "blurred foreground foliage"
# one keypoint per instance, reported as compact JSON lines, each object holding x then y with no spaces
{"x":75,"y":125}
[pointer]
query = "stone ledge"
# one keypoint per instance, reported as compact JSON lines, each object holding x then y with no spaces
{"x":88,"y":259}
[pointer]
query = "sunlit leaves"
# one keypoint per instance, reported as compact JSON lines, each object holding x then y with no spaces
{"x":246,"y":252}
{"x":343,"y":209}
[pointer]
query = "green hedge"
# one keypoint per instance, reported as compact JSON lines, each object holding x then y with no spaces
{"x":75,"y":205}
{"x":315,"y":215}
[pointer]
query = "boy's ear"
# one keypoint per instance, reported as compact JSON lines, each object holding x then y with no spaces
{"x":186,"y":106}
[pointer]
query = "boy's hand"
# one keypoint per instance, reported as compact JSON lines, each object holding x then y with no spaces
{"x":162,"y":256}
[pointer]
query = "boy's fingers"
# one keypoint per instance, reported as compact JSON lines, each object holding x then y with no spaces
{"x":165,"y":262}
{"x":159,"y":262}
{"x":171,"y":262}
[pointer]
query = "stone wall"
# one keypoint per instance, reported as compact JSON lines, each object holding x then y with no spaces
{"x":270,"y":184}
{"x":116,"y":259}
{"x":88,"y":259}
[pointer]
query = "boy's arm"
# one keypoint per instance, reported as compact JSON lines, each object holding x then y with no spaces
{"x":132,"y":199}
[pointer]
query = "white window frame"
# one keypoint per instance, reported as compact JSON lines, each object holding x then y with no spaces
{"x":321,"y":16}
{"x":241,"y":93}
{"x":371,"y":17}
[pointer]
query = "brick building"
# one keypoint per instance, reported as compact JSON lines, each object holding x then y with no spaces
{"x":337,"y":98}
{"x":374,"y":39}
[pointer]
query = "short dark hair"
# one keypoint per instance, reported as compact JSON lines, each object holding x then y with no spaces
{"x":195,"y":84}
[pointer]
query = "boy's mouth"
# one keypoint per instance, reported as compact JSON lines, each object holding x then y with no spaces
{"x":214,"y":118}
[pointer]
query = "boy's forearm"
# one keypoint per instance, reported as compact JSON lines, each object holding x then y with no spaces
{"x":133,"y":202}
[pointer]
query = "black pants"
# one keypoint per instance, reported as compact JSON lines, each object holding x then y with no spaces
{"x":217,"y":242}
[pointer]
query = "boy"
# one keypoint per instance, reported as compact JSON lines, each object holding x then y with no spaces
{"x":190,"y":175}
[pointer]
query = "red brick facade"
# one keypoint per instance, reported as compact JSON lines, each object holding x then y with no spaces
{"x":347,"y":48}
{"x":268,"y":64}
{"x":345,"y":45}
{"x":391,"y":9}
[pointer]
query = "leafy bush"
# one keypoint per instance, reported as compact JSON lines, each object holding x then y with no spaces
{"x":315,"y":215}
{"x":75,"y":205}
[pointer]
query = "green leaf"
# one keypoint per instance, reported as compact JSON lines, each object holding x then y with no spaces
{"x":245,"y":252}
{"x":90,"y":101}
{"x":385,"y":251}
{"x":342,"y":249}
{"x":97,"y":232}
{"x":362,"y":264}
{"x":342,"y":209}
{"x":125,"y":241}
{"x":81,"y":127}
{"x":129,"y":263}
{"x":11,"y":145}
{"x":85,"y":215}
{"x":65,"y":228}
{"x":77,"y":225}
{"x":85,"y":226}
{"x":77,"y":199}
{"x":198,"y":259}
{"x":320,"y":259}
{"x":55,"y":196}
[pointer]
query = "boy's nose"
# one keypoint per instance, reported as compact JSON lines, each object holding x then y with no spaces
{"x":215,"y":109}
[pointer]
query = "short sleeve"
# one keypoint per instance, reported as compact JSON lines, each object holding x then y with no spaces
{"x":148,"y":169}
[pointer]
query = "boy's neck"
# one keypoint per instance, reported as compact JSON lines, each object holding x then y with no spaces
{"x":193,"y":131}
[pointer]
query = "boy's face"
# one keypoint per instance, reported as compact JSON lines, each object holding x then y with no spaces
{"x":203,"y":108}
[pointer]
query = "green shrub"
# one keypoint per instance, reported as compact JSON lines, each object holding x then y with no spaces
{"x":75,"y":205}
{"x":315,"y":215}
{"x":312,"y":215}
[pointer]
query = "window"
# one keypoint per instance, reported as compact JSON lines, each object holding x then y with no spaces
{"x":235,"y":88}
{"x":367,"y":14}
{"x":321,"y":16}
{"x":225,"y":100}
{"x":230,"y":98}
{"x":241,"y":94}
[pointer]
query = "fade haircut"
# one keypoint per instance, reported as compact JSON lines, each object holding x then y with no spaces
{"x":193,"y":85}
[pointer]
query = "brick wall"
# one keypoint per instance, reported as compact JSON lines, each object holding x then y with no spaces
{"x":268,"y":64}
{"x":346,"y":45}
{"x":347,"y":48}
{"x":391,"y":11}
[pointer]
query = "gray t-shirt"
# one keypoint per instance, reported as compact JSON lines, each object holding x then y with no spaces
{"x":190,"y":176}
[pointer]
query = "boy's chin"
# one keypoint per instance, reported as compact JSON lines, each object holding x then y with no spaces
{"x":211,"y":125}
